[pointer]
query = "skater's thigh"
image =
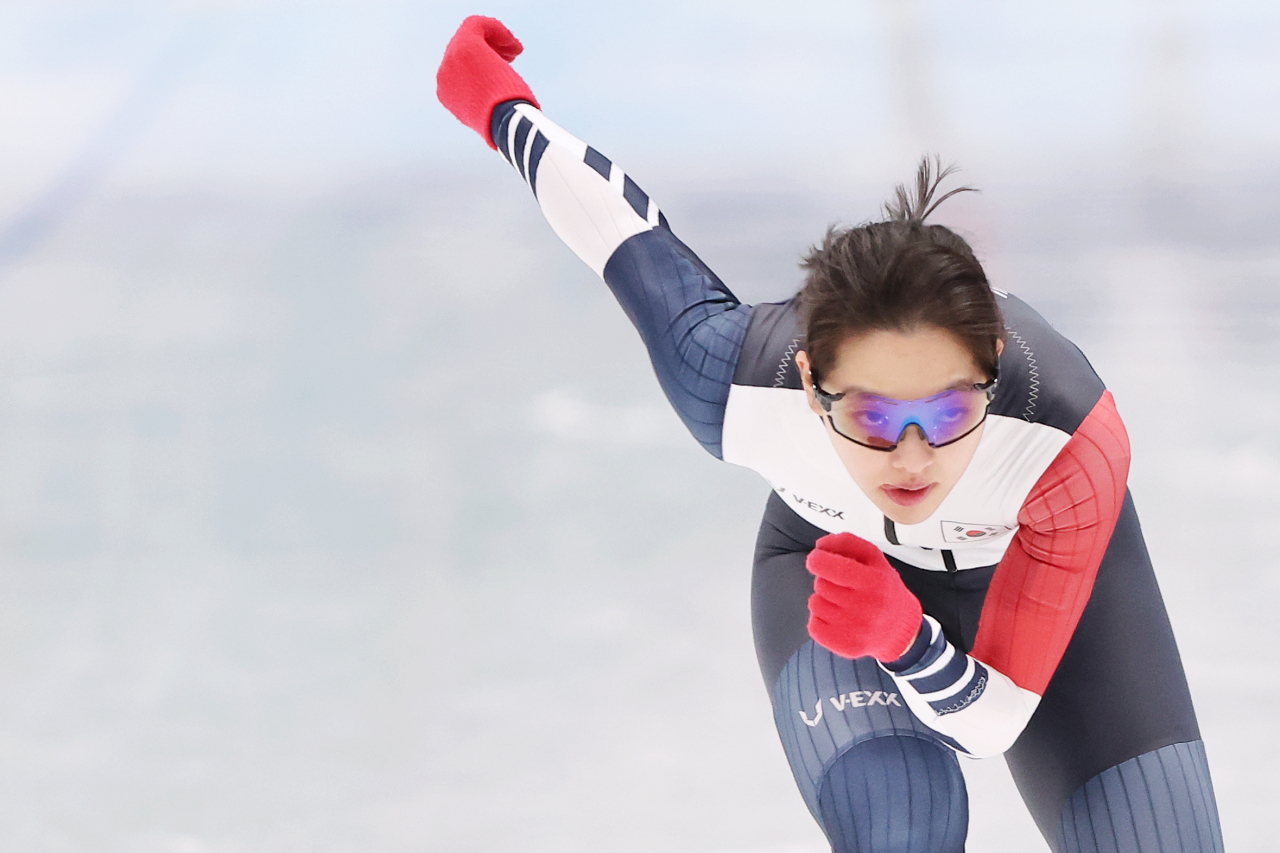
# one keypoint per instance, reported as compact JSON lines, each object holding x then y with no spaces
{"x":1159,"y":802}
{"x":894,"y":794}
{"x":825,"y":705}
{"x":871,"y":774}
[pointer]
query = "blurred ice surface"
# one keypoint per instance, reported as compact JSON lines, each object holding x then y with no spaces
{"x":339,"y":509}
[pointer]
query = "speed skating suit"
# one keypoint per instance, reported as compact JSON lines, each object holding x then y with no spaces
{"x":1044,"y":636}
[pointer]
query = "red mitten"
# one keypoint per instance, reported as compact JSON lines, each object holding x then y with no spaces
{"x":475,"y":74}
{"x":859,"y":604}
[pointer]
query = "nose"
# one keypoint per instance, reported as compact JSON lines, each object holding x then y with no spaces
{"x":913,"y":453}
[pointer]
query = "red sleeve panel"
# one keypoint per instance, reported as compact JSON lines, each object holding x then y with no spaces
{"x":1044,"y":581}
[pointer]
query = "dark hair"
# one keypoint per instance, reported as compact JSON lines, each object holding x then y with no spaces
{"x":899,"y":274}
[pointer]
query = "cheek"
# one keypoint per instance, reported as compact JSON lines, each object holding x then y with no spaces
{"x":950,"y":463}
{"x":867,"y":468}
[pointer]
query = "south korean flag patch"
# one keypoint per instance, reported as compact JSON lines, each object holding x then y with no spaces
{"x":955,"y":532}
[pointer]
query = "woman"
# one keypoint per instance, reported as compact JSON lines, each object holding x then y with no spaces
{"x":949,"y":562}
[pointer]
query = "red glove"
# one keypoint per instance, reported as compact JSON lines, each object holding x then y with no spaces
{"x":859,"y":604}
{"x":475,"y":75}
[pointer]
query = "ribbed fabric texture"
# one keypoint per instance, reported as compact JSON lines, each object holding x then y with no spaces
{"x":691,"y":323}
{"x":1159,"y":802}
{"x":895,"y":795}
{"x":874,"y":776}
{"x":1045,"y":578}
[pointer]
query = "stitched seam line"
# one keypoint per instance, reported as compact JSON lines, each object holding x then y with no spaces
{"x":781,"y":376}
{"x":1035,"y":374}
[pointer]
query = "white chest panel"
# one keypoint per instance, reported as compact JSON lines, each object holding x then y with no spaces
{"x":774,"y":432}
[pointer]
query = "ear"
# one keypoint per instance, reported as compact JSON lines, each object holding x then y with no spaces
{"x":999,"y":346}
{"x":806,"y":381}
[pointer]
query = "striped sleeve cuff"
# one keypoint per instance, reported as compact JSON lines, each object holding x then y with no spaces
{"x":519,"y":141}
{"x":947,"y":679}
{"x":924,"y":651}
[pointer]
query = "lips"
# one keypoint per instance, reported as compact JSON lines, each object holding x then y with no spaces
{"x":908,"y":496}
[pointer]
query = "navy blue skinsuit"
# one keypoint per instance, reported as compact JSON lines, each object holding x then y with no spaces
{"x":1109,"y":758}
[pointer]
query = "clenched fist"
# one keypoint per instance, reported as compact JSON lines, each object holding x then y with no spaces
{"x":859,"y":605}
{"x":476,"y":74}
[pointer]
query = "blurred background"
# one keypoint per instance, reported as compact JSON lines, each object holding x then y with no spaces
{"x":339,"y":509}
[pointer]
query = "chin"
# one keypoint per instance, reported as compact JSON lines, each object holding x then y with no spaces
{"x":908,"y":514}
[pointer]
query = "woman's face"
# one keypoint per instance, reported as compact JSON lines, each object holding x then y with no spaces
{"x":909,"y":482}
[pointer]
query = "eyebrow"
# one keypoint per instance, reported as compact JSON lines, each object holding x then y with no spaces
{"x":959,"y":385}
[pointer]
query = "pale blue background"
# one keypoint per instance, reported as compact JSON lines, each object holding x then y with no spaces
{"x":339,"y":510}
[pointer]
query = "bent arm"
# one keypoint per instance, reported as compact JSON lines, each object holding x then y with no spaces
{"x":692,"y":325}
{"x":983,"y":700}
{"x":1044,"y":581}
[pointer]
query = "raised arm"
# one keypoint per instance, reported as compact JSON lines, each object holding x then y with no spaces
{"x":692,"y":325}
